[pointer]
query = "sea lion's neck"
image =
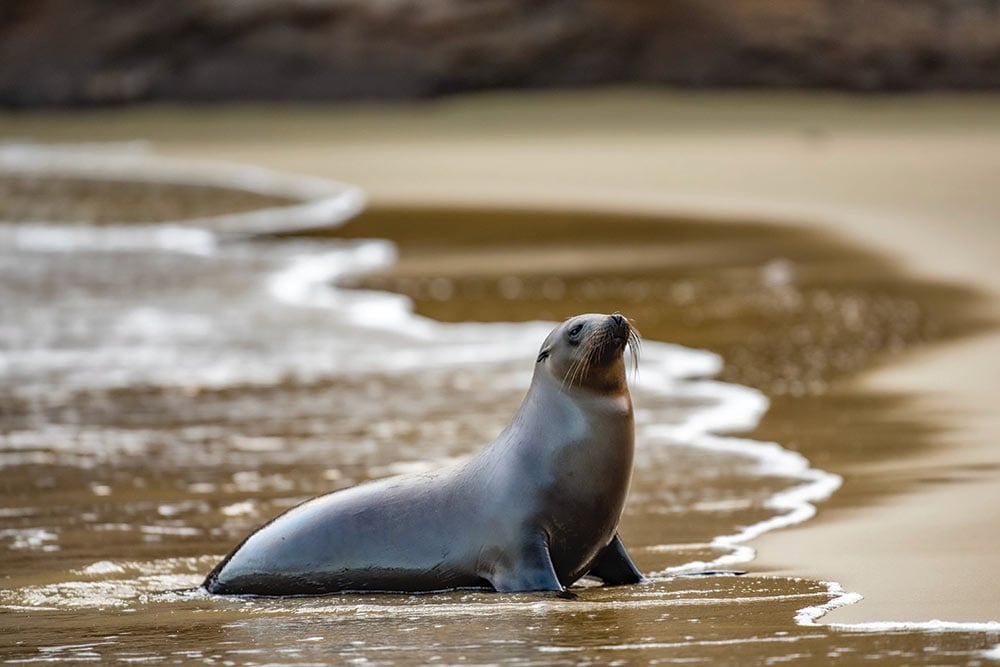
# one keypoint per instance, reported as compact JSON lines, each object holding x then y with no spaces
{"x":554,"y":416}
{"x":576,"y":410}
{"x":580,"y":445}
{"x":572,"y":446}
{"x":610,"y":387}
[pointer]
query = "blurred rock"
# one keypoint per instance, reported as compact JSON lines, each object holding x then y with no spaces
{"x":63,"y":52}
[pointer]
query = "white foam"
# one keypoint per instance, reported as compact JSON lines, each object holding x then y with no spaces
{"x":29,"y":539}
{"x":52,"y":237}
{"x":240,"y":508}
{"x":665,"y":360}
{"x":103,"y":567}
{"x":933,"y":625}
{"x":993,"y":653}
{"x":810,"y":617}
{"x":322,"y":202}
{"x":730,"y":408}
{"x":308,"y":281}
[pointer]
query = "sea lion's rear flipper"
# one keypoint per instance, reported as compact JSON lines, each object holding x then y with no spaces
{"x":531,"y":570}
{"x":614,"y":567}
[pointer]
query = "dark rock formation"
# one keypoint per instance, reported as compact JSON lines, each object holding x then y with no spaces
{"x":59,"y":52}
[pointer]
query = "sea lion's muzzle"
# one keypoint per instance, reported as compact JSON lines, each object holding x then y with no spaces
{"x":620,"y":328}
{"x":610,"y":340}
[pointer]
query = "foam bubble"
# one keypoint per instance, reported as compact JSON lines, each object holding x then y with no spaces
{"x":103,"y":567}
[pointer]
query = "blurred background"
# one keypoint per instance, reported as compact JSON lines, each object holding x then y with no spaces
{"x":65,"y":52}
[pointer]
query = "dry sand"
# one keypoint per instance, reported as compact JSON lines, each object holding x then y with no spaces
{"x":916,"y":178}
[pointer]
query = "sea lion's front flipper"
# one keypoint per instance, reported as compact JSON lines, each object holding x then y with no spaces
{"x":614,"y":567}
{"x":531,"y":570}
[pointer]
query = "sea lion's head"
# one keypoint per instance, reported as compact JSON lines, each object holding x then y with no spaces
{"x":587,"y":351}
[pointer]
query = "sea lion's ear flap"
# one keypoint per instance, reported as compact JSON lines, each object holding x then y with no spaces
{"x":543,"y":355}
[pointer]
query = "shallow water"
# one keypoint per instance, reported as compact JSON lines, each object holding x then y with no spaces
{"x":166,"y":388}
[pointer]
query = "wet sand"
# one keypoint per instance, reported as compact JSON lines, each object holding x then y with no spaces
{"x":910,"y":179}
{"x":47,"y":198}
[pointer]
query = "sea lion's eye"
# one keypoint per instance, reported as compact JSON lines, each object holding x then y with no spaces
{"x":575,"y":330}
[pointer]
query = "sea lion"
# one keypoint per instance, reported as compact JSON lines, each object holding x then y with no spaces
{"x":535,"y":510}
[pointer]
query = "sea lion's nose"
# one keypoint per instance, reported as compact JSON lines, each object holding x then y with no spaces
{"x":620,"y":324}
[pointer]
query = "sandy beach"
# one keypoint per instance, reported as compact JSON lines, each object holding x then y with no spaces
{"x":911,"y":179}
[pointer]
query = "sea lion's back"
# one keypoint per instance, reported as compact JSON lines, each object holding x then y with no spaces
{"x":376,"y":536}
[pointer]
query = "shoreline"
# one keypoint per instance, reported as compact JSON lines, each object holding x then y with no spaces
{"x":927,"y":551}
{"x":927,"y":187}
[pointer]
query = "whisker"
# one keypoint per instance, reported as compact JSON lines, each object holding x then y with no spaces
{"x":634,"y":345}
{"x":578,"y":373}
{"x":570,"y":373}
{"x":596,"y":353}
{"x":582,"y":368}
